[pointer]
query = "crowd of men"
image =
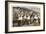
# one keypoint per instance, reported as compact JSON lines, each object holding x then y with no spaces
{"x":24,"y":16}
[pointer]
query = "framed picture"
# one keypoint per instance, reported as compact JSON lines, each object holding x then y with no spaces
{"x":23,"y":16}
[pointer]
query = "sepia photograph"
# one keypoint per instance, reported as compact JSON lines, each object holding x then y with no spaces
{"x":24,"y":16}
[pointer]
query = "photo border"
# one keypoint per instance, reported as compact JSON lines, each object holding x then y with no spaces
{"x":6,"y":16}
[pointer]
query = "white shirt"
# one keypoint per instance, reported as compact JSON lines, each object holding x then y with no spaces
{"x":20,"y":18}
{"x":28,"y":17}
{"x":36,"y":17}
{"x":24,"y":17}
